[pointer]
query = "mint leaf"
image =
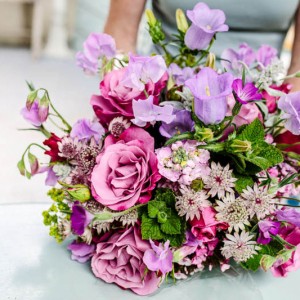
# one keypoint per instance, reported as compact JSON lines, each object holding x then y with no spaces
{"x":253,"y":132}
{"x":172,"y":225}
{"x":154,"y":207}
{"x":167,"y":196}
{"x":242,"y":182}
{"x":150,"y":229}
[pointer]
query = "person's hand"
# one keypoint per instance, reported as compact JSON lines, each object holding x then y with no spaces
{"x":295,"y":82}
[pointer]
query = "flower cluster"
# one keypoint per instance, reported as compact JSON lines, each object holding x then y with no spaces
{"x":184,"y":167}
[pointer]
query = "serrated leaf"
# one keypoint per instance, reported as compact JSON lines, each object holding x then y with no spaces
{"x":176,"y":240}
{"x":172,"y":225}
{"x":253,"y":132}
{"x":150,"y":229}
{"x":242,"y":182}
{"x":154,"y":207}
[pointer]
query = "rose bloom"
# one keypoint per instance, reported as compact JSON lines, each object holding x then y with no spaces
{"x":116,"y":99}
{"x":119,"y":260}
{"x":126,"y":171}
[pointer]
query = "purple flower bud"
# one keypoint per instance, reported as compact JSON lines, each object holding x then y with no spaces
{"x":246,"y":93}
{"x":265,"y":229}
{"x":32,"y":115}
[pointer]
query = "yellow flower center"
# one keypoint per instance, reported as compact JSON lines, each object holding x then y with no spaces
{"x":207,"y":90}
{"x":208,"y":27}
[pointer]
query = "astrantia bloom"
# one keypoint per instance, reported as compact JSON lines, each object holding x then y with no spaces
{"x":205,"y":23}
{"x":69,"y":147}
{"x":240,"y":247}
{"x":210,"y":91}
{"x":245,"y":93}
{"x":290,"y":105}
{"x":219,"y":181}
{"x":190,"y":203}
{"x":129,"y":219}
{"x":265,"y":229}
{"x":118,"y":125}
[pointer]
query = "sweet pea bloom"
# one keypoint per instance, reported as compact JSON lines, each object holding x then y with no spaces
{"x":210,"y":91}
{"x":81,"y":252}
{"x":291,"y":216}
{"x":265,"y":229}
{"x":126,"y":172}
{"x":245,"y":93}
{"x":119,"y":260}
{"x":265,"y":54}
{"x":180,"y":75}
{"x":80,"y":219}
{"x":290,"y":105}
{"x":205,"y":23}
{"x":35,"y":115}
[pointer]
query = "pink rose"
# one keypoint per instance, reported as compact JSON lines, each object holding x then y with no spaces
{"x":126,"y":171}
{"x":116,"y":99}
{"x":119,"y":260}
{"x":292,"y":235}
{"x":205,"y":229}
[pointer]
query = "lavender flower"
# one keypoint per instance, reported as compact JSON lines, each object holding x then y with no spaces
{"x":210,"y":91}
{"x":182,"y":123}
{"x":289,"y":215}
{"x":36,"y":115}
{"x":180,"y":75}
{"x":265,"y":54}
{"x":265,"y":229}
{"x":205,"y":23}
{"x":290,"y":105}
{"x":245,"y":93}
{"x":146,"y":112}
{"x":159,"y":258}
{"x":81,"y":252}
{"x":80,"y":219}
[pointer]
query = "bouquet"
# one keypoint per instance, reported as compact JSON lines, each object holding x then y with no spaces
{"x":189,"y":164}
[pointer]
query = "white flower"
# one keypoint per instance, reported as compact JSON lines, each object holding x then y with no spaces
{"x":219,"y":180}
{"x":62,"y":171}
{"x":239,"y":246}
{"x":232,"y":211}
{"x":191,"y":203}
{"x":130,"y":218}
{"x":187,"y":98}
{"x":258,"y":201}
{"x":69,"y":147}
{"x":101,"y":226}
{"x":87,"y":235}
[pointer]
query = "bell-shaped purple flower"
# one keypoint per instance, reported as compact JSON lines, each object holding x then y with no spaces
{"x":265,"y":229}
{"x":80,"y":219}
{"x":265,"y":54}
{"x":180,"y":75}
{"x":182,"y":123}
{"x":205,"y":23}
{"x":290,"y":105}
{"x":210,"y":91}
{"x":245,"y":93}
{"x":289,"y":215}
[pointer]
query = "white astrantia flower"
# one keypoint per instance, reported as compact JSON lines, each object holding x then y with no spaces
{"x":190,"y":203}
{"x":61,"y":171}
{"x":232,"y":211}
{"x":219,"y":181}
{"x":118,"y":125}
{"x":69,"y":147}
{"x":258,"y":201}
{"x":187,"y":98}
{"x":87,"y":235}
{"x":101,"y":227}
{"x":240,"y":247}
{"x":130,"y":218}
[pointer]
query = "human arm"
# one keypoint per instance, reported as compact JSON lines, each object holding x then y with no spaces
{"x":123,"y":22}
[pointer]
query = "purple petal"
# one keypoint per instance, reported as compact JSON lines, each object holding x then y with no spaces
{"x":196,"y":38}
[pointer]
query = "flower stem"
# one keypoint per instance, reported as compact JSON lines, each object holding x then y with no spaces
{"x":179,"y":137}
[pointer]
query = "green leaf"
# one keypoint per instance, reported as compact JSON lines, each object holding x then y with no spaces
{"x":267,"y":261}
{"x":242,"y":182}
{"x":172,"y":225}
{"x":176,"y":240}
{"x":253,"y":132}
{"x":150,"y":229}
{"x":154,"y":207}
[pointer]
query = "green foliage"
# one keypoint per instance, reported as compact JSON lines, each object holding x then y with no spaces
{"x":242,"y":182}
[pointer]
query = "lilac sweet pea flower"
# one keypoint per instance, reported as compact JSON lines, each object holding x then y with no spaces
{"x":246,"y":93}
{"x":80,"y":219}
{"x":210,"y":91}
{"x":146,"y":112}
{"x":159,"y":258}
{"x":290,"y":105}
{"x":265,"y":54}
{"x":81,"y":252}
{"x":180,"y":75}
{"x":143,"y":69}
{"x":96,"y":46}
{"x":205,"y":23}
{"x":289,"y":215}
{"x":182,"y":123}
{"x":36,"y":115}
{"x":84,"y":129}
{"x":265,"y":229}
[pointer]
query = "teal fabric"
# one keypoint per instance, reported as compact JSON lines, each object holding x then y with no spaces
{"x":255,"y":22}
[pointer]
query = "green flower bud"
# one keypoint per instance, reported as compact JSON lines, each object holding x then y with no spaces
{"x":79,"y":192}
{"x":203,"y":134}
{"x":181,"y":21}
{"x":30,"y":99}
{"x":238,"y":146}
{"x":197,"y":185}
{"x":267,"y":262}
{"x":150,"y":17}
{"x":211,"y":60}
{"x":162,"y":217}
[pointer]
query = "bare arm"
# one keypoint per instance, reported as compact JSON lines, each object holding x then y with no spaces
{"x":123,"y":22}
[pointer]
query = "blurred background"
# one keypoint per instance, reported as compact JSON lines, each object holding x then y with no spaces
{"x":38,"y":42}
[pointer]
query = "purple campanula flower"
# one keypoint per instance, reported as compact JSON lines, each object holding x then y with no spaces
{"x":146,"y":112}
{"x":265,"y":54}
{"x":159,"y":258}
{"x":80,"y":219}
{"x":290,"y":105}
{"x":205,"y":23}
{"x":245,"y":93}
{"x":84,"y":129}
{"x":289,"y":215}
{"x":210,"y":91}
{"x":182,"y":123}
{"x":265,"y":229}
{"x":34,"y":114}
{"x":81,"y":252}
{"x":143,"y":69}
{"x":180,"y":75}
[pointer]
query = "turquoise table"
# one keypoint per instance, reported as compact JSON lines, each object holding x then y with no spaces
{"x":34,"y":267}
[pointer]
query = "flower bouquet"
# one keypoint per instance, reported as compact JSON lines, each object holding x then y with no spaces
{"x":189,"y":164}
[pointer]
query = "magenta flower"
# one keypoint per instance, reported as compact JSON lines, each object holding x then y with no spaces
{"x":265,"y":54}
{"x":265,"y":229}
{"x":81,"y":252}
{"x":210,"y":91}
{"x":146,"y":112}
{"x":290,"y":105}
{"x":142,"y":70}
{"x":84,"y":129}
{"x":159,"y":258}
{"x":80,"y":219}
{"x":180,"y":75}
{"x":36,"y":115}
{"x":245,"y":93}
{"x":289,"y":215}
{"x":205,"y":23}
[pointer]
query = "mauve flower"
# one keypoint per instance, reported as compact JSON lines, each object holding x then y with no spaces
{"x":265,"y":229}
{"x":265,"y":54}
{"x":288,"y":138}
{"x":159,"y":258}
{"x":142,"y":70}
{"x":84,"y":129}
{"x":95,"y":47}
{"x":126,"y":172}
{"x":119,"y":260}
{"x":205,"y":23}
{"x":81,"y":252}
{"x":34,"y":115}
{"x":245,"y":93}
{"x":80,"y":219}
{"x":52,"y":143}
{"x":51,"y":178}
{"x":180,"y":75}
{"x":210,"y":91}
{"x":290,"y":105}
{"x":182,"y":123}
{"x":289,"y":215}
{"x":116,"y":99}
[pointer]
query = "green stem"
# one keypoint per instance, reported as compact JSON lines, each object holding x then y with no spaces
{"x":179,"y":137}
{"x":281,"y":204}
{"x":282,"y":241}
{"x":55,"y":124}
